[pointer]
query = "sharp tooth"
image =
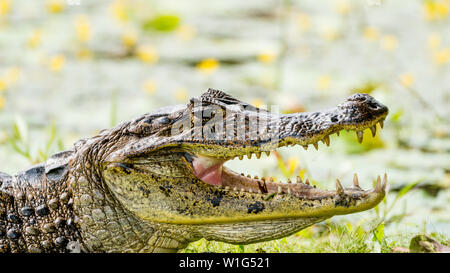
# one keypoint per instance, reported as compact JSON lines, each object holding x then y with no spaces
{"x":249,"y":176}
{"x":299,"y":180}
{"x":249,"y":156}
{"x":242,"y":190}
{"x":250,"y":190}
{"x":289,"y":191}
{"x":305,"y":147}
{"x":360,"y":135}
{"x":374,"y":130}
{"x":242,"y":174}
{"x":279,"y":189}
{"x":307,"y":181}
{"x":256,"y":177}
{"x":267,"y":153}
{"x":258,"y":155}
{"x":327,"y":140}
{"x":235,"y":189}
{"x":339,"y":188}
{"x":355,"y":181}
{"x":382,"y":124}
{"x":241,"y":157}
{"x":316,"y":146}
{"x":378,"y":187}
{"x":289,"y":181}
{"x":383,"y":187}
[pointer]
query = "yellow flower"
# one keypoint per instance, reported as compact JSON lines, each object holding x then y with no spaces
{"x":147,"y":54}
{"x":330,"y":34}
{"x":258,"y":103}
{"x":343,"y":7}
{"x":442,"y":56}
{"x":118,"y":10}
{"x":371,"y":33}
{"x":3,"y":85}
{"x":434,"y":41}
{"x":303,"y":21}
{"x":181,"y":94}
{"x":208,"y":66}
{"x":55,"y":6}
{"x":2,"y":102}
{"x":324,"y":82}
{"x":5,"y":7}
{"x":84,"y":53}
{"x":35,"y":38}
{"x":129,"y":38}
{"x":292,"y":163}
{"x":83,"y":28}
{"x":149,"y":86}
{"x":389,"y":42}
{"x":266,"y":57}
{"x":302,"y":173}
{"x":436,"y":9}
{"x":57,"y":63}
{"x":186,"y":32}
{"x":12,"y":75}
{"x":407,"y":79}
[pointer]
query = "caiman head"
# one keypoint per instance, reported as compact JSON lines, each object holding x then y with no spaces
{"x":168,"y":167}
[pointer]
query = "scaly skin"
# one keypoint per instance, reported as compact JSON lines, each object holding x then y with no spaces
{"x":156,"y":183}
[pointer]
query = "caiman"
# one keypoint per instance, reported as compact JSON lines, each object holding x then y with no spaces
{"x":157,"y":183}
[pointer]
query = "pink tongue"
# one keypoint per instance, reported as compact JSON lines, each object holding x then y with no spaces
{"x":208,"y":171}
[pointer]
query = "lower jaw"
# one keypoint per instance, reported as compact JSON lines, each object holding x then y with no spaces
{"x":211,"y":171}
{"x":217,"y":175}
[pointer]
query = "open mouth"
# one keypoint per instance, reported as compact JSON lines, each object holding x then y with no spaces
{"x":213,"y":172}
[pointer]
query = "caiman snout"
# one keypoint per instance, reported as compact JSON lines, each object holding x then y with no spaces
{"x":359,"y":109}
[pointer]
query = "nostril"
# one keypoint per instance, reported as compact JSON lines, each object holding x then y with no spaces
{"x":373,"y":105}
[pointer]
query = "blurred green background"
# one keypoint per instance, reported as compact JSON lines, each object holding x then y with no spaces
{"x":69,"y":68}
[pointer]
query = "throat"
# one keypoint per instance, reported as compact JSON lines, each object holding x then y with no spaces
{"x":208,"y":170}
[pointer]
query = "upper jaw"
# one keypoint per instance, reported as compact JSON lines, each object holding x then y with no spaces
{"x":224,"y":151}
{"x":290,"y":135}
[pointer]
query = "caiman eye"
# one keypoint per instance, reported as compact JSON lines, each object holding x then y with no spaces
{"x":358,"y":97}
